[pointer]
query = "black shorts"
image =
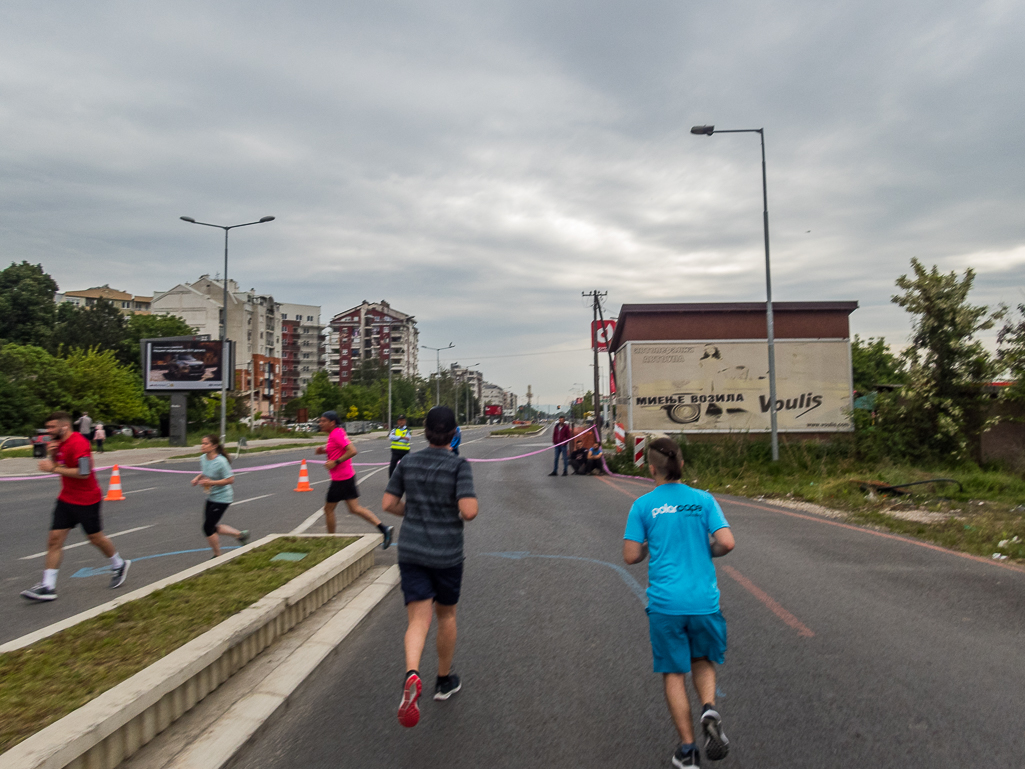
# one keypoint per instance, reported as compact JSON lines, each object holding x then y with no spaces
{"x":339,"y":490}
{"x":422,"y":583}
{"x":67,"y":515}
{"x":212,"y":516}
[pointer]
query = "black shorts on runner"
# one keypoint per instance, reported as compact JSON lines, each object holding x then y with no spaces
{"x":67,"y":515}
{"x":212,"y":516}
{"x":340,"y":490}
{"x":422,"y":583}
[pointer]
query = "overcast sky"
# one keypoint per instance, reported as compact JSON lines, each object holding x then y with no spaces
{"x":480,"y":164}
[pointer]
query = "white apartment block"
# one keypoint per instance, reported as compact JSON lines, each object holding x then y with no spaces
{"x":253,"y":324}
{"x":372,"y":330}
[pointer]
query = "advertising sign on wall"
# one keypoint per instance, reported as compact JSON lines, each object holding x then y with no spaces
{"x":492,"y":411}
{"x":177,"y":364}
{"x":601,"y":333}
{"x":723,"y":387}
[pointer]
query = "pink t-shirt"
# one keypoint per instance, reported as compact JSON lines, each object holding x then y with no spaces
{"x":337,"y":442}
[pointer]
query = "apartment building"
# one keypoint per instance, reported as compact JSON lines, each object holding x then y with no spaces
{"x":371,"y":331}
{"x":462,"y":376}
{"x":302,"y":347}
{"x":253,"y":323}
{"x":128,"y":304}
{"x":493,"y":395}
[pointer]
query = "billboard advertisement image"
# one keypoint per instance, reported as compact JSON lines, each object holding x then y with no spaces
{"x":183,"y":364}
{"x":723,"y":387}
{"x":492,"y":411}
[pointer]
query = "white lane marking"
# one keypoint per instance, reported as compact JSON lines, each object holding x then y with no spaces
{"x":302,"y":527}
{"x":136,"y":491}
{"x":251,"y":499}
{"x":79,"y":544}
{"x":323,"y":481}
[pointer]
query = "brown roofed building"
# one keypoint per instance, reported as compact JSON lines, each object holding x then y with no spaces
{"x":128,"y":304}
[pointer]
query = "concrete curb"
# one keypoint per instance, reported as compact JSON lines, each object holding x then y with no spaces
{"x":110,"y":728}
{"x":219,"y":744}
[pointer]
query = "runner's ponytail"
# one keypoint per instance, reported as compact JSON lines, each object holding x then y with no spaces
{"x":667,"y":459}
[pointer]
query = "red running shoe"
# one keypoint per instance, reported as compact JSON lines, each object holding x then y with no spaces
{"x":409,"y":711}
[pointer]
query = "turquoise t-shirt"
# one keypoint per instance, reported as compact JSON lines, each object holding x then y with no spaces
{"x":675,"y":520}
{"x":217,"y":469}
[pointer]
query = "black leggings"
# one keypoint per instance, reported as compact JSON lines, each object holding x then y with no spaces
{"x":212,"y":516}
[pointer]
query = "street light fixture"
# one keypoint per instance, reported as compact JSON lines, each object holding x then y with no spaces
{"x":708,"y":130}
{"x":437,"y":395}
{"x":225,"y":360}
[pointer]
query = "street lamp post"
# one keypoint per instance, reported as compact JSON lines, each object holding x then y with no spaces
{"x":225,"y":361}
{"x":708,"y":130}
{"x":437,"y":393}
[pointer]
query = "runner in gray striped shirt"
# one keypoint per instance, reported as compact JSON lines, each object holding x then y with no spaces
{"x":439,"y":497}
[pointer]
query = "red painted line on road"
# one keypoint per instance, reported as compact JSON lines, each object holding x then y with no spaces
{"x":614,"y":486}
{"x":883,"y":534}
{"x":802,"y":630}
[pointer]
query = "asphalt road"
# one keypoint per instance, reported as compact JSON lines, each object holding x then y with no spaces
{"x":848,"y":648}
{"x":159,"y":526}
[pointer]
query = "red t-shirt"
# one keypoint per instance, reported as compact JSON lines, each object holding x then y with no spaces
{"x":77,"y":491}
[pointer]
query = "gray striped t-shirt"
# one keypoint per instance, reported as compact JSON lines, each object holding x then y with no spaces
{"x":433,"y":481}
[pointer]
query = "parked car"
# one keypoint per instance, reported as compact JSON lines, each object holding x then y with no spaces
{"x":185,"y":367}
{"x":141,"y":431}
{"x":14,"y":441}
{"x":39,"y":441}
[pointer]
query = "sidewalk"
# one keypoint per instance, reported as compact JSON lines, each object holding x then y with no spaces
{"x":18,"y":466}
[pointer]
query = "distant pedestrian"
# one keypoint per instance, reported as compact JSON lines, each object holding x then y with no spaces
{"x":439,"y":497}
{"x":85,"y":425}
{"x":400,"y":443}
{"x":456,"y":440}
{"x":684,"y":529}
{"x":100,"y":436}
{"x":560,"y":435}
{"x":340,"y":451}
{"x":216,"y":478}
{"x":77,"y":504}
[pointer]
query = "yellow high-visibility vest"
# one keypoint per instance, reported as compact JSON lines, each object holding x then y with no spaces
{"x":400,"y":441}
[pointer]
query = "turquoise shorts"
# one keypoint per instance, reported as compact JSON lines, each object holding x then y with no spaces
{"x":676,"y":639}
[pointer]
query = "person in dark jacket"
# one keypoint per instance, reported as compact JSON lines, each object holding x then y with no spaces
{"x":560,"y":435}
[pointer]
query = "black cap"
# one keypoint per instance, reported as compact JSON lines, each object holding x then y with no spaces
{"x":333,"y":416}
{"x":400,"y":416}
{"x":440,"y":419}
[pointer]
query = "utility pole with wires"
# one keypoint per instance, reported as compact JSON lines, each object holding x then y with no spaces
{"x":596,"y":297}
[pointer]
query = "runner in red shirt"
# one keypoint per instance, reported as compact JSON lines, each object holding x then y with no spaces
{"x":77,"y":504}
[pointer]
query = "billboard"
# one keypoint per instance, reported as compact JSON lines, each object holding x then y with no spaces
{"x":184,"y":364}
{"x":601,"y":333}
{"x":492,"y":411}
{"x":722,"y":387}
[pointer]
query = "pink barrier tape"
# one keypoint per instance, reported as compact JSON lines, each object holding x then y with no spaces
{"x":297,"y":462}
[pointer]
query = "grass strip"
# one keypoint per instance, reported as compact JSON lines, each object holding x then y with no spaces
{"x":524,"y":430}
{"x":55,"y":676}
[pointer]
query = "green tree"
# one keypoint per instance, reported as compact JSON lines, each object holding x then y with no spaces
{"x":82,"y":328}
{"x":873,"y":364}
{"x":27,"y":310}
{"x":33,"y":383}
{"x":940,"y":414}
{"x":109,"y":391}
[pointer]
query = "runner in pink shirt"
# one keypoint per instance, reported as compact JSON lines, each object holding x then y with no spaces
{"x":340,"y":451}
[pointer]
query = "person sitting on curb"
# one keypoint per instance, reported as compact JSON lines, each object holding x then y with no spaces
{"x":594,"y":460}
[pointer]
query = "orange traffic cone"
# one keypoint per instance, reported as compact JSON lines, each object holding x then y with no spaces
{"x":304,"y":479}
{"x":114,"y":490}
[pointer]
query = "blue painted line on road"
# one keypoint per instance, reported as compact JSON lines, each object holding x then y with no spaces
{"x":87,"y":572}
{"x":627,"y":577}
